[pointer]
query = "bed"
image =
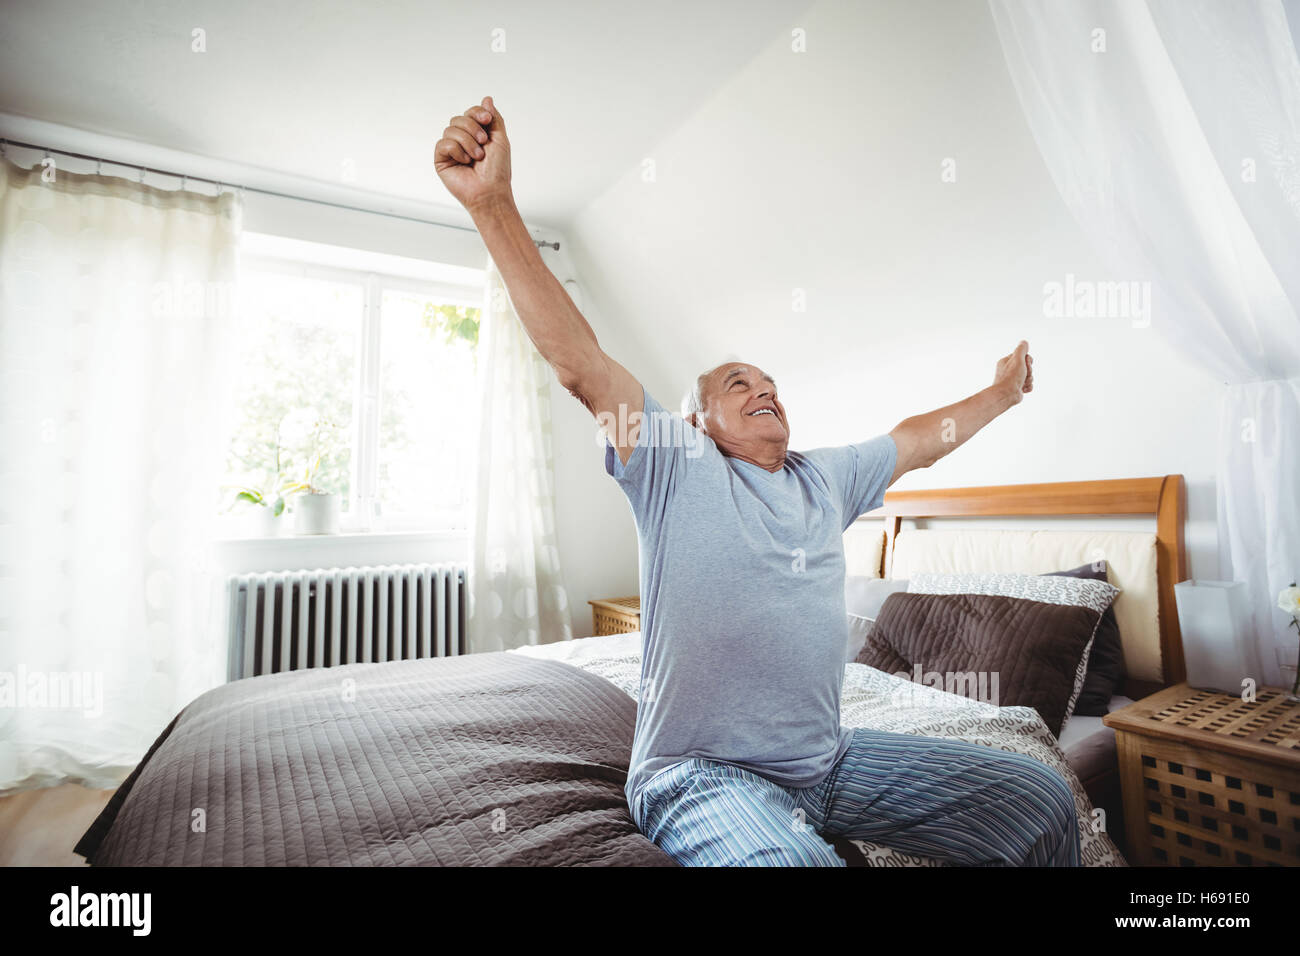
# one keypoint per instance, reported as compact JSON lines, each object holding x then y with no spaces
{"x":1145,"y":565}
{"x":520,"y":757}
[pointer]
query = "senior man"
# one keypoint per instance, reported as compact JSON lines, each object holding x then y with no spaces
{"x":738,"y":756}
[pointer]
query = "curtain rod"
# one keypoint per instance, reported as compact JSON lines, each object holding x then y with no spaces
{"x":185,"y":178}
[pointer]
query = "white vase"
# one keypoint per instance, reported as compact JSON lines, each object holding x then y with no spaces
{"x":316,"y":514}
{"x":1219,"y":644}
{"x":268,"y":523}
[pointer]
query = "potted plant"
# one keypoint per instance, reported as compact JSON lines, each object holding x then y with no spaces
{"x":315,"y":509}
{"x":269,"y":501}
{"x":268,"y":498}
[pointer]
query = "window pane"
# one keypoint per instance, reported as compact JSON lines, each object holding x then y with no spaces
{"x":298,"y":346}
{"x":427,"y":410}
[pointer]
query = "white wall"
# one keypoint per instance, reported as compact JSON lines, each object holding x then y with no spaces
{"x":594,"y":527}
{"x":820,"y":171}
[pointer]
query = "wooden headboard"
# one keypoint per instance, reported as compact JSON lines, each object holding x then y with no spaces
{"x":1164,"y":498}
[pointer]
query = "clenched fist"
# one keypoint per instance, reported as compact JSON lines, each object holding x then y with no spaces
{"x":473,"y":156}
{"x":1016,"y":372}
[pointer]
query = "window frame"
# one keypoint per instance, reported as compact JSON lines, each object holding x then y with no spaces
{"x":364,"y":477}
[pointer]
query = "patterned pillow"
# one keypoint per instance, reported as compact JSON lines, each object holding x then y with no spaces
{"x":1074,"y":592}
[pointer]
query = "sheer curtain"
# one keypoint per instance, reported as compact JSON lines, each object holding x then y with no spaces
{"x":1172,"y":130}
{"x":517,"y":594}
{"x":114,"y":299}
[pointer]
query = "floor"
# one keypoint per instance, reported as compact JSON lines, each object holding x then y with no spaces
{"x":40,"y":827}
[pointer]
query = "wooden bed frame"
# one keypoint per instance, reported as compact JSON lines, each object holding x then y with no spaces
{"x":1164,"y":498}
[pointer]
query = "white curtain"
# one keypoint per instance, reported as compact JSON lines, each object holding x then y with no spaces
{"x":112,"y":340}
{"x":1172,"y":130}
{"x":517,"y":594}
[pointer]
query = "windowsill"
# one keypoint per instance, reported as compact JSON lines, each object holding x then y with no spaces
{"x":454,"y":534}
{"x":247,"y":553}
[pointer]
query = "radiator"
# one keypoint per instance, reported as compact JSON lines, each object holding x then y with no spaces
{"x":290,"y":620}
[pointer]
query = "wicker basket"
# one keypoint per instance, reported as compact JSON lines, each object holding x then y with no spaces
{"x":1210,"y":779}
{"x":615,"y":615}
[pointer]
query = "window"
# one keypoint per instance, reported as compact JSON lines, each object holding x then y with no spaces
{"x":354,"y":381}
{"x":427,"y":407}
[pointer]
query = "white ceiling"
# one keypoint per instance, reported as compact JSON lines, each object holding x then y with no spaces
{"x":587,"y":88}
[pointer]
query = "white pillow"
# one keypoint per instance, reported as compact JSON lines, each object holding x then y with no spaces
{"x":859,"y":628}
{"x":863,"y":596}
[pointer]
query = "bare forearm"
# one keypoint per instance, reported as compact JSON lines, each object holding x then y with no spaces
{"x":552,"y":321}
{"x":924,"y":439}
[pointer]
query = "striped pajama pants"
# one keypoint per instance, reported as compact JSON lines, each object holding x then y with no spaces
{"x":957,"y":801}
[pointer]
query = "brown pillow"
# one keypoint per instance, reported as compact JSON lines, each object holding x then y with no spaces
{"x":1106,"y":672}
{"x":1029,"y":650}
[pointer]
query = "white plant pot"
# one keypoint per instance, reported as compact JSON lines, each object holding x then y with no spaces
{"x":316,"y":514}
{"x":268,"y":522}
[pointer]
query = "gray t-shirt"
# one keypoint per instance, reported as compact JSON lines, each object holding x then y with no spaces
{"x":742,"y":599}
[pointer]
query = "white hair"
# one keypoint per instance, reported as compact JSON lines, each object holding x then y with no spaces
{"x":692,"y":401}
{"x":691,"y":404}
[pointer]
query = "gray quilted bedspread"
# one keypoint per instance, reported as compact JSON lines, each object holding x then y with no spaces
{"x":487,"y":759}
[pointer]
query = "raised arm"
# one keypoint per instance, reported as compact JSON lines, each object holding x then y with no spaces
{"x":473,"y":162}
{"x":924,"y":439}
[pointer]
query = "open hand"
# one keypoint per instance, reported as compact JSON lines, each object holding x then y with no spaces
{"x":1015,"y":372}
{"x":473,"y":157}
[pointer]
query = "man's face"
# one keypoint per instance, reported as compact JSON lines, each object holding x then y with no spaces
{"x":740,"y":408}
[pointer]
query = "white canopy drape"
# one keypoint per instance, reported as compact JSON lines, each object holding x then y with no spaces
{"x":517,"y":594}
{"x":112,"y":391}
{"x":1172,"y":130}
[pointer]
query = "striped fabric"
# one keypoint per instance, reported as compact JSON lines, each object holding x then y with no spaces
{"x":953,"y":800}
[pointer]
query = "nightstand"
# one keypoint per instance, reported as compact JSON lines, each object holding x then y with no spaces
{"x":616,"y":615}
{"x":1210,"y":779}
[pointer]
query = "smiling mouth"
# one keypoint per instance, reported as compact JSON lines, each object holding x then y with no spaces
{"x":763,"y":411}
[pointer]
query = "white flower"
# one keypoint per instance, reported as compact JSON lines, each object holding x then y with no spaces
{"x":1289,"y":600}
{"x":297,"y":425}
